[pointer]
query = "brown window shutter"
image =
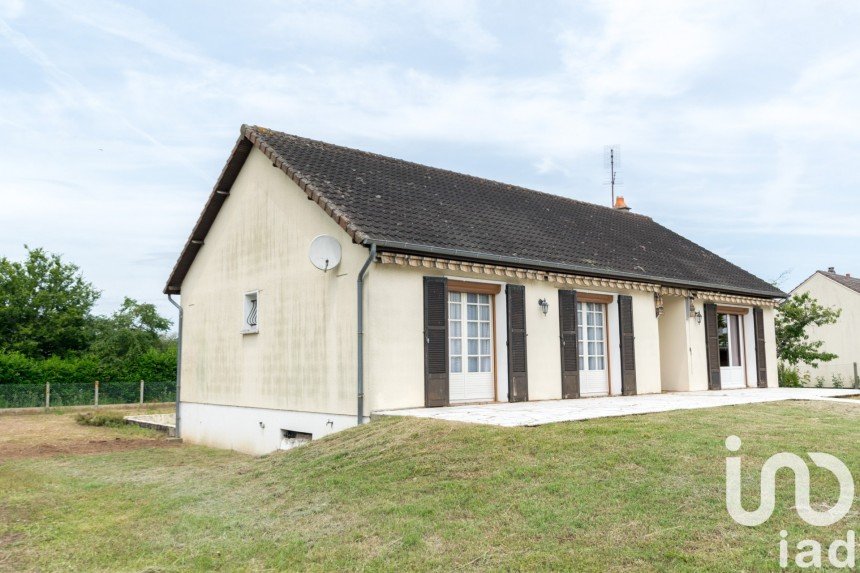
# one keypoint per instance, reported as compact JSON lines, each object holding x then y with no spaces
{"x":713,"y":347}
{"x":518,"y":380}
{"x":569,"y":350}
{"x":760,"y":357}
{"x":435,"y":341}
{"x":628,"y":347}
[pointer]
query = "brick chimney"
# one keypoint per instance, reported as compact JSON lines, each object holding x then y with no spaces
{"x":620,"y":204}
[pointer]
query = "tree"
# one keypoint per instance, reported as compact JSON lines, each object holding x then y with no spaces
{"x":793,"y":317}
{"x":45,"y":306}
{"x":130,"y":332}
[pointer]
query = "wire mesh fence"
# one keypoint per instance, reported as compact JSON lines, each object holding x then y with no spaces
{"x":85,"y":394}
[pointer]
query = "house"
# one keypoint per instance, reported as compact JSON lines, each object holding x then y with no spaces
{"x":448,"y":289}
{"x":842,"y":338}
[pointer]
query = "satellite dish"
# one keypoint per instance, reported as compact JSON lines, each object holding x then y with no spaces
{"x":324,"y":252}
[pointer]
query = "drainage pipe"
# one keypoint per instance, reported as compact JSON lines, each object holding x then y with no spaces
{"x":178,"y":363}
{"x":359,"y":283}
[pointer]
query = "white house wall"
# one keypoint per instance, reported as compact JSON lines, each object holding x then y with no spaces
{"x":254,"y":431}
{"x":770,"y":347}
{"x":841,"y":338}
{"x":698,"y":351}
{"x":674,"y":350}
{"x":304,"y":356}
{"x":394,"y":313}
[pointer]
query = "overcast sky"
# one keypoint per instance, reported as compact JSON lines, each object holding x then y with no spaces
{"x":738,"y":123}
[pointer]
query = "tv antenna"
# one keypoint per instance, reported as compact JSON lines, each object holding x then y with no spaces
{"x":611,"y":161}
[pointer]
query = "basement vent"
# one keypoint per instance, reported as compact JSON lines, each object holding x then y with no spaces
{"x":291,"y":439}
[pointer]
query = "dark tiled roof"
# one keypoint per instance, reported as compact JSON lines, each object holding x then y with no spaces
{"x":851,"y":282}
{"x":409,"y":207}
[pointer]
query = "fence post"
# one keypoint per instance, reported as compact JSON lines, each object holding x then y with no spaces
{"x":97,"y":394}
{"x":141,"y":392}
{"x":47,"y":395}
{"x":856,"y":377}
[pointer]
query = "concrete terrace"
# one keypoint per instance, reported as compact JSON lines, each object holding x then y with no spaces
{"x":551,"y":411}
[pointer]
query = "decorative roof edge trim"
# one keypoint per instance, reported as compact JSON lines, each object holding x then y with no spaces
{"x":437,"y":263}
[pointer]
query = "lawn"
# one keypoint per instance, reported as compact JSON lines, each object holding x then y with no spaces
{"x":644,"y":492}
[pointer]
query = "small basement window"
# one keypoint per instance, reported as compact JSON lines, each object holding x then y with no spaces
{"x":249,"y":314}
{"x":291,"y":439}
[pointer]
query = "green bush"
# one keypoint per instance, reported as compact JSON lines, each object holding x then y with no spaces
{"x":151,"y":365}
{"x":15,"y":368}
{"x":838,"y":381}
{"x":788,"y":377}
{"x":109,"y":419}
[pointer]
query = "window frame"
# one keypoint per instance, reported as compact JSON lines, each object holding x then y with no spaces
{"x":464,"y":337}
{"x":250,"y":298}
{"x":583,"y":309}
{"x":734,"y":339}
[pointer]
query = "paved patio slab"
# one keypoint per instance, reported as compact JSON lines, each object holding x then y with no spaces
{"x":160,"y":422}
{"x":550,"y":411}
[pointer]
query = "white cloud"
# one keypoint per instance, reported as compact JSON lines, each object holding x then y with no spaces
{"x":704,"y":152}
{"x":641,"y":49}
{"x":459,"y":23}
{"x":11,"y":9}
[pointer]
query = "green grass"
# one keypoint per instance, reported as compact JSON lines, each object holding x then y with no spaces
{"x":643,"y":492}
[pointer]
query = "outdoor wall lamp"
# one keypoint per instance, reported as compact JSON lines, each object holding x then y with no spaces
{"x":544,"y":306}
{"x":693,"y":312}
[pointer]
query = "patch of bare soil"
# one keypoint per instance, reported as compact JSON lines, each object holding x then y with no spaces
{"x":47,"y":435}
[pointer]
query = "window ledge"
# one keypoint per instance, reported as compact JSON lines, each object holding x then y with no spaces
{"x":250,"y":331}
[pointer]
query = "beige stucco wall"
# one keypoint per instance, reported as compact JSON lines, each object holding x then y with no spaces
{"x":395,"y":320}
{"x":841,"y":338}
{"x":647,"y":333}
{"x":683,"y":348}
{"x":303,"y":357}
{"x":674,"y":351}
{"x":769,"y":316}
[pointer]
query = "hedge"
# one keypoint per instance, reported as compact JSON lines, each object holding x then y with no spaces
{"x":150,"y":366}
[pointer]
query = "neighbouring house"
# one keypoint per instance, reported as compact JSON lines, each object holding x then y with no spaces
{"x":447,"y":289}
{"x":842,"y":338}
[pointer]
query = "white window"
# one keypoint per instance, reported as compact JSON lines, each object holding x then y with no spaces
{"x":475,"y":354}
{"x":249,"y":313}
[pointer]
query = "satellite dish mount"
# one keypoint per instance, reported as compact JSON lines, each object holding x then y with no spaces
{"x":324,"y":252}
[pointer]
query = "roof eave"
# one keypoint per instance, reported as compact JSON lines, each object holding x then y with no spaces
{"x":248,"y":139}
{"x":459,"y":254}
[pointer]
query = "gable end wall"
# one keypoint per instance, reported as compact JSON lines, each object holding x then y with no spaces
{"x":303,"y":357}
